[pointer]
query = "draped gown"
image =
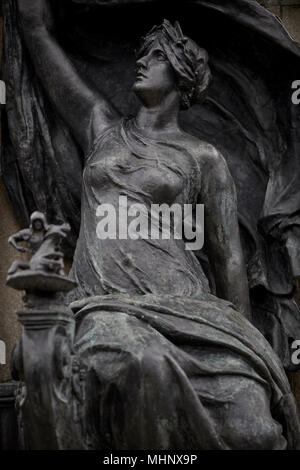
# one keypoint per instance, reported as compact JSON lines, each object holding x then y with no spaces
{"x":170,"y":366}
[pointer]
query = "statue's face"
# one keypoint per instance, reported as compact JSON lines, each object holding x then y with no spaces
{"x":155,"y":77}
{"x":37,"y":225}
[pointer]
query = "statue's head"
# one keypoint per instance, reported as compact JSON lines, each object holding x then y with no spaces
{"x":38,"y":221}
{"x":169,"y":60}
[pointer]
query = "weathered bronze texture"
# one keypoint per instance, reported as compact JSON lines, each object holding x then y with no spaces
{"x":164,"y":355}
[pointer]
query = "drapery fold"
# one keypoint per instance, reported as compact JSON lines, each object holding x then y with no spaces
{"x":194,"y":356}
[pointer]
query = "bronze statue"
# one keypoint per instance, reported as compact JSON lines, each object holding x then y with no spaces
{"x":169,"y":364}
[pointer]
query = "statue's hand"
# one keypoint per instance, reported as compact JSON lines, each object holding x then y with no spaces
{"x":35,"y":14}
{"x":63,"y":230}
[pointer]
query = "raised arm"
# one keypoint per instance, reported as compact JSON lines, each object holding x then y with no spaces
{"x":84,"y":109}
{"x":222,"y":236}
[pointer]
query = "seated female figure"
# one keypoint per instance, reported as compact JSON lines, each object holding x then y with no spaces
{"x":170,"y":366}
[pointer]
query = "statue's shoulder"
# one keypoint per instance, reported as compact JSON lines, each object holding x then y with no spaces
{"x":205,"y":153}
{"x":211,"y":158}
{"x":213,"y":166}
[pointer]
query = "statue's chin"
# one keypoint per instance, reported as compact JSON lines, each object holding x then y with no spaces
{"x":148,"y":96}
{"x":140,"y":92}
{"x":139,"y":88}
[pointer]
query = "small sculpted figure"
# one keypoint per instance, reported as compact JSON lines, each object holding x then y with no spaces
{"x":44,"y":242}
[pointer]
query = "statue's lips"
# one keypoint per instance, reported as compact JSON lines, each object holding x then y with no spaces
{"x":140,"y":76}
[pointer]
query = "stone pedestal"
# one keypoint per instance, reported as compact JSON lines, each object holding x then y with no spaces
{"x":43,"y":363}
{"x":8,"y":418}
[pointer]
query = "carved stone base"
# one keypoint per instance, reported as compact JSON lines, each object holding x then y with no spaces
{"x":40,"y":281}
{"x":45,"y":362}
{"x":8,"y":418}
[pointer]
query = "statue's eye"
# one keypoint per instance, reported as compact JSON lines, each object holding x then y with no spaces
{"x":160,"y":55}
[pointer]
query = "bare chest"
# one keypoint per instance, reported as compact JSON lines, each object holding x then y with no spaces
{"x":164,"y":175}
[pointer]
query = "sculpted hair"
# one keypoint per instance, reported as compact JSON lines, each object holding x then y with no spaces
{"x":189,"y":61}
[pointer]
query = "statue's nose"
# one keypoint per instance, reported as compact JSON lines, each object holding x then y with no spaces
{"x":142,"y":63}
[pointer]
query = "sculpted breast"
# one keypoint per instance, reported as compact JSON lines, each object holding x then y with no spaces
{"x":119,"y":169}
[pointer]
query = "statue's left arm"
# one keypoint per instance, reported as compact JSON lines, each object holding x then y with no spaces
{"x":221,"y":229}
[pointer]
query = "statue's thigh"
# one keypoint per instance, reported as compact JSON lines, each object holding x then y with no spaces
{"x":244,"y":419}
{"x":125,"y":355}
{"x":118,"y":339}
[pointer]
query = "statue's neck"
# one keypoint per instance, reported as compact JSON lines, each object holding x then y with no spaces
{"x":159,"y":119}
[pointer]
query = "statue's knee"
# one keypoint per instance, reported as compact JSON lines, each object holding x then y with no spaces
{"x":257,"y":434}
{"x":249,"y":424}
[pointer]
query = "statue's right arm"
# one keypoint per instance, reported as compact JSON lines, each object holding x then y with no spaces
{"x":84,"y":109}
{"x":22,"y":235}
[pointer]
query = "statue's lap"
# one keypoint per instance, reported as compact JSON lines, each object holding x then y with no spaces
{"x":186,"y":387}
